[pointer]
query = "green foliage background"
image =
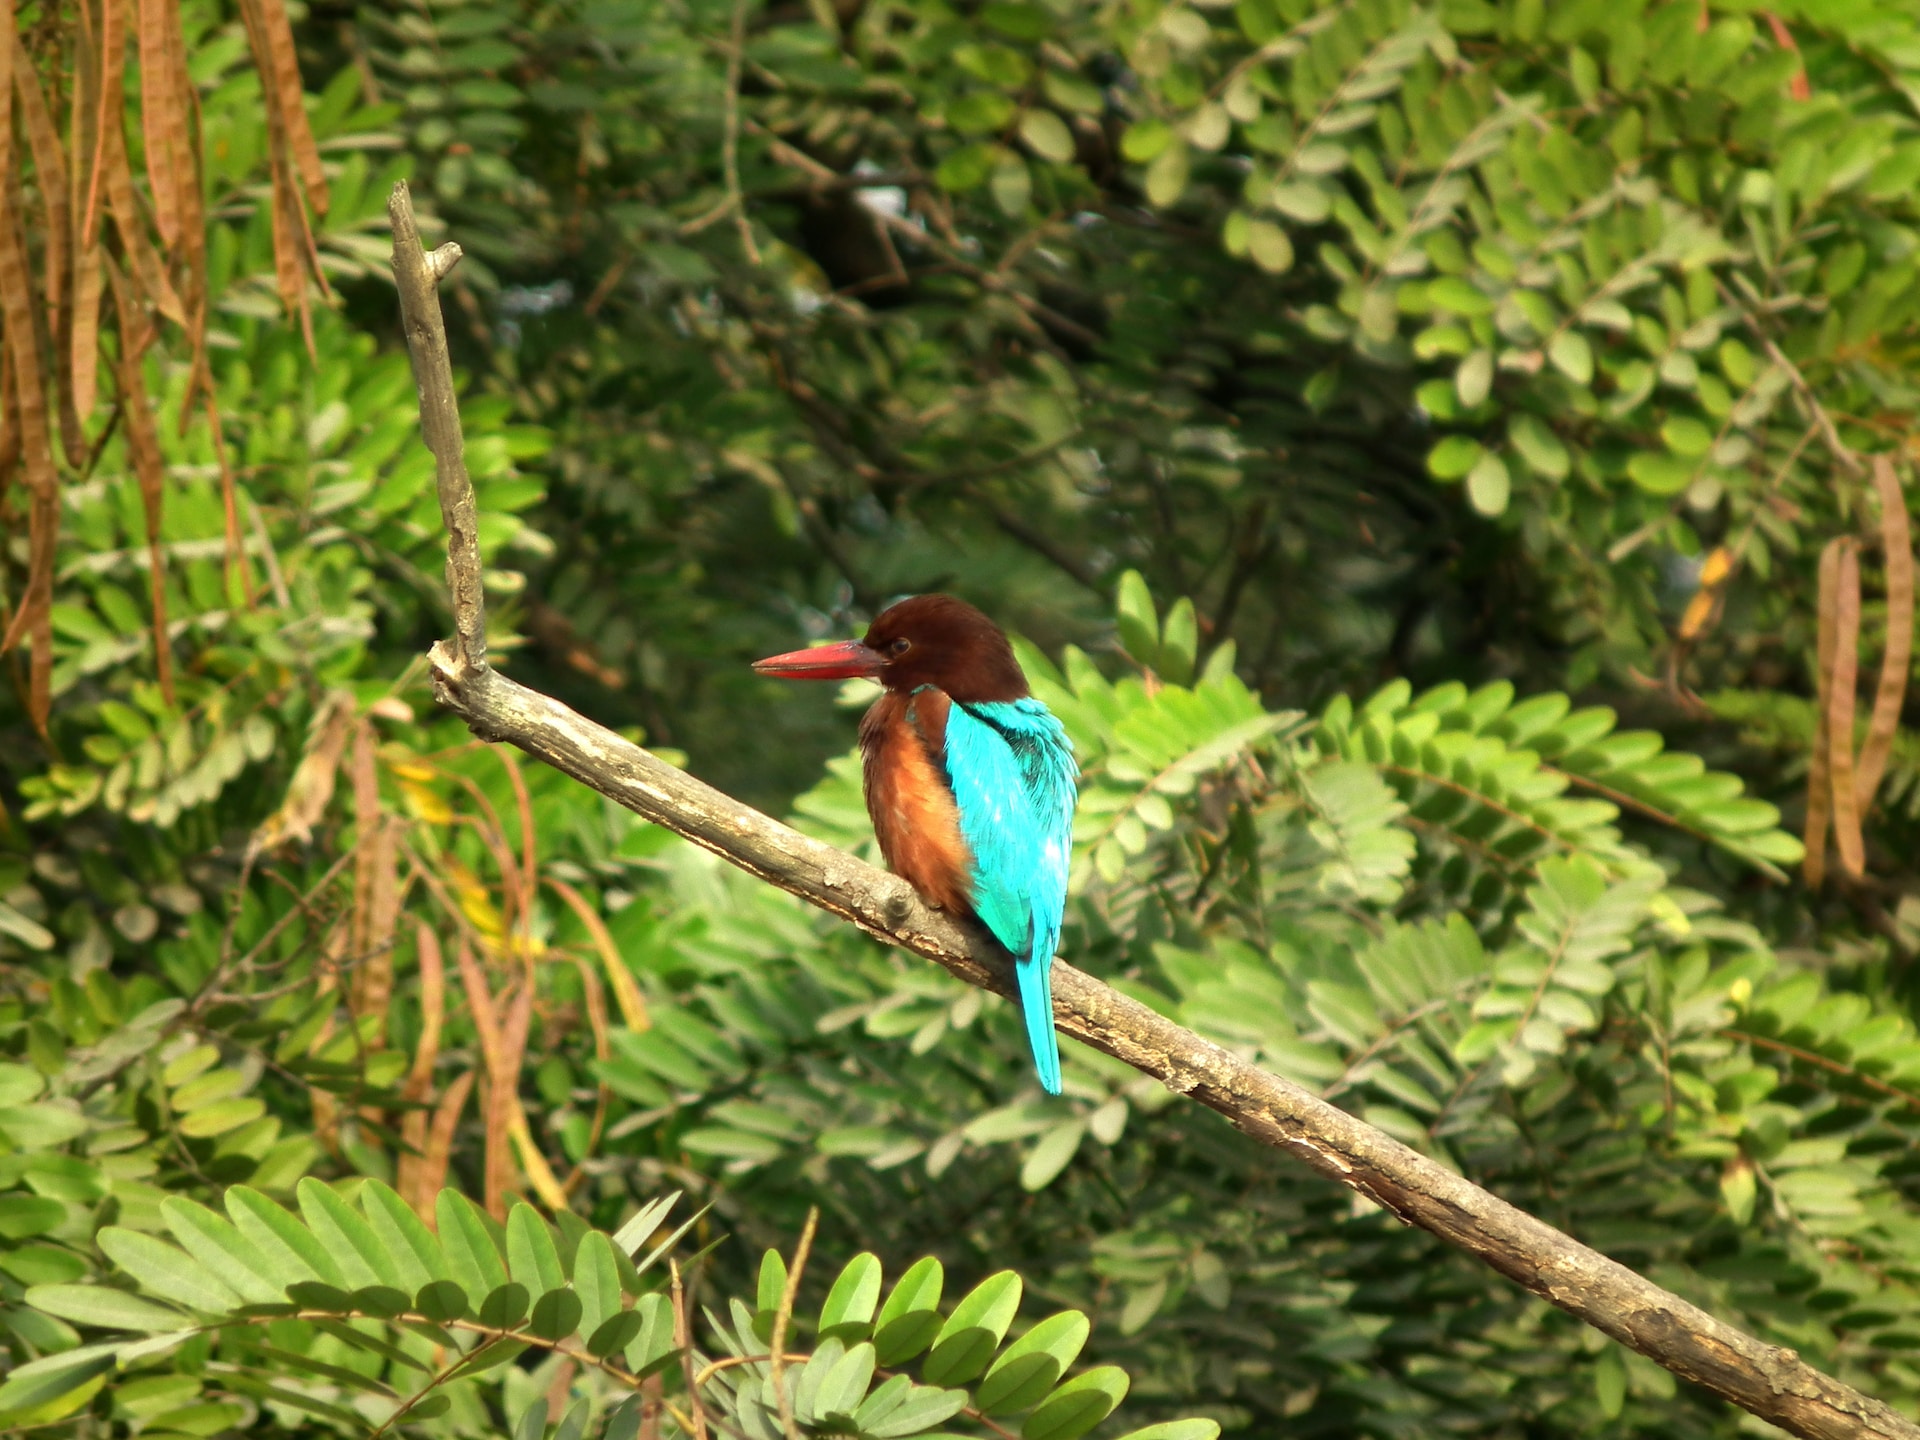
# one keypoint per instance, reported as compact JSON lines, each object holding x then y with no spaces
{"x":1341,"y":401}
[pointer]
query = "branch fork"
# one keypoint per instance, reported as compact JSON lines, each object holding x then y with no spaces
{"x":1770,"y":1381}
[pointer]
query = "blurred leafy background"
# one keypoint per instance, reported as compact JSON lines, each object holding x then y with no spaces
{"x":1447,"y":467}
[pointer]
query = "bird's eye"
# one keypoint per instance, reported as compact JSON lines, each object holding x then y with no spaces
{"x":900,"y":646}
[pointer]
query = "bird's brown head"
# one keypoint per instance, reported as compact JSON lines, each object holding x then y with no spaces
{"x":928,"y":640}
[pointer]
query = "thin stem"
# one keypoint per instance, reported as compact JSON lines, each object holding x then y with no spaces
{"x":783,"y":1317}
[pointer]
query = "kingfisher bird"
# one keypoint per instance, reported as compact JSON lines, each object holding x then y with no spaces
{"x":970,"y":782}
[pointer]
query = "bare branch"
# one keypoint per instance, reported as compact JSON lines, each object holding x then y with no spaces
{"x":1771,"y":1382}
{"x":415,"y":274}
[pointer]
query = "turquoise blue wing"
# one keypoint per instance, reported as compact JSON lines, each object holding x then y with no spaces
{"x":1011,"y":768}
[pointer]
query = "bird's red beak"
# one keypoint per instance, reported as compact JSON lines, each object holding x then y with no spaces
{"x":849,"y":660}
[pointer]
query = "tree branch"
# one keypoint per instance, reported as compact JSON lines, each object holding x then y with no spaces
{"x":1771,"y":1382}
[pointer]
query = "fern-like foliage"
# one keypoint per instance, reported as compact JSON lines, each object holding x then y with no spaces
{"x":1513,"y":783}
{"x":356,"y":1312}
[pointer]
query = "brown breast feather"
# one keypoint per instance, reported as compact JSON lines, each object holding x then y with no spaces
{"x":913,"y":811}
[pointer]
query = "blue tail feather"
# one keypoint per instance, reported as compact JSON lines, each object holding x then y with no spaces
{"x":1012,"y":773}
{"x":1035,"y":976}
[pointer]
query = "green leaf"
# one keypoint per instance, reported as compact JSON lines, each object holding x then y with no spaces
{"x":165,"y":1270}
{"x":411,"y":1253}
{"x":221,"y":1117}
{"x":24,"y":1216}
{"x":473,"y":1260}
{"x":488,"y":1357}
{"x":1046,"y":134}
{"x":1029,"y":1368}
{"x":623,"y":1423}
{"x":1572,"y":356}
{"x":573,"y":1424}
{"x":105,"y":1307}
{"x":1179,"y":642}
{"x":556,"y":1315}
{"x":964,"y":169}
{"x":505,"y":1307}
{"x":442,"y":1300}
{"x":1661,"y":474}
{"x":911,"y":1317}
{"x":1011,"y":184}
{"x":596,"y":1280}
{"x":382,"y":1301}
{"x":18,"y":1084}
{"x":1738,"y":1189}
{"x":1051,"y":1154}
{"x":1177,"y":1430}
{"x":373,"y":1344}
{"x":1145,"y":139}
{"x":1686,"y":436}
{"x":849,"y":1306}
{"x":1308,"y":204}
{"x":1453,"y":457}
{"x":219,"y":1245}
{"x":345,"y":1234}
{"x":615,"y":1333}
{"x":845,"y":1384}
{"x":318,"y":1295}
{"x":33,"y":1386}
{"x":1269,"y":246}
{"x":1139,"y":621}
{"x":654,"y":1346}
{"x":1166,"y":179}
{"x":636,"y":1232}
{"x":1538,"y":446}
{"x":973,"y":1332}
{"x":531,"y":1257}
{"x":1449,"y":292}
{"x":1488,"y":485}
{"x":338,"y":1373}
{"x":1077,"y":1406}
{"x":770,"y":1291}
{"x":923,"y":1408}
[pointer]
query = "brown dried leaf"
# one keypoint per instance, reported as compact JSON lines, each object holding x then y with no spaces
{"x":626,"y":992}
{"x":503,"y":1091}
{"x":34,"y":617}
{"x":9,"y":422}
{"x":79,"y":339}
{"x":159,"y":98}
{"x":149,"y":465}
{"x":50,"y":174}
{"x":83,"y":338}
{"x":419,"y":1086}
{"x":376,"y":889}
{"x":281,"y":75}
{"x":108,"y":117}
{"x":1896,"y":541}
{"x":1819,"y":778}
{"x":433,"y":1164}
{"x":286,"y":257}
{"x":142,"y":262}
{"x":193,"y":219}
{"x":1841,"y":695}
{"x":501,"y":1082}
{"x":311,"y":789}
